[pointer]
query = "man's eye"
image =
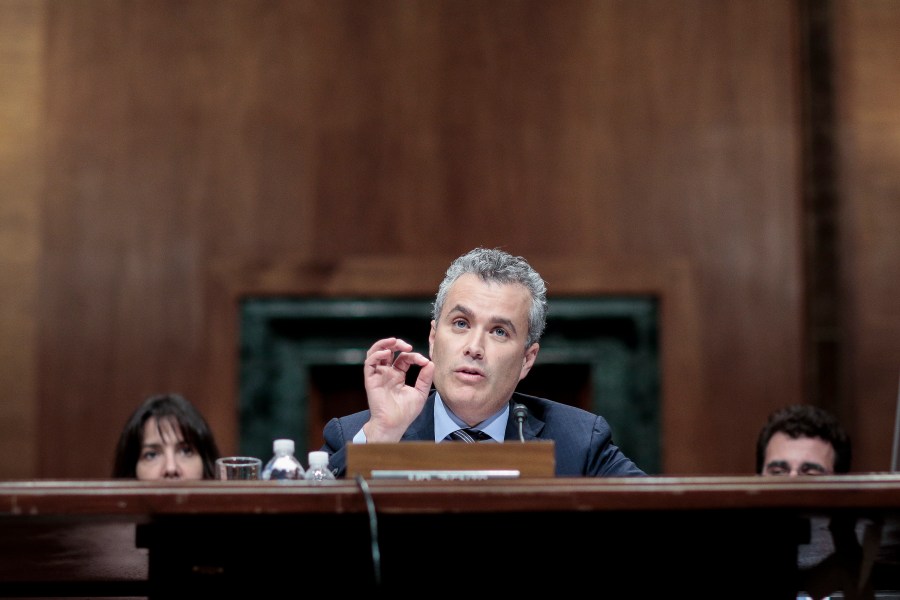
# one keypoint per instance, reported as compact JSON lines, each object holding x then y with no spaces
{"x":500,"y":332}
{"x":459,"y":324}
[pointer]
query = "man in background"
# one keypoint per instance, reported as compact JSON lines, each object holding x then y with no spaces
{"x":799,"y":440}
{"x":802,"y":439}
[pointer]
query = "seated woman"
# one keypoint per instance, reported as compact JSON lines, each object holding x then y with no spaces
{"x":166,"y":438}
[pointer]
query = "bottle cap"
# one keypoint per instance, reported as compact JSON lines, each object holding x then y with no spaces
{"x":286,"y":446}
{"x":318,"y":458}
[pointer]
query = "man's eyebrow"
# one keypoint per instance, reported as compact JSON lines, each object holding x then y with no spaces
{"x":461,"y":309}
{"x":777,"y":463}
{"x":813,"y":465}
{"x":469,"y":314}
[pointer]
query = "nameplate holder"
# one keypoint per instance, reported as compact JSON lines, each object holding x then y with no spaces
{"x":446,"y":475}
{"x":451,"y":460}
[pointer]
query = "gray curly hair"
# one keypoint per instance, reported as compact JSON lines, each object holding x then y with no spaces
{"x":495,"y":265}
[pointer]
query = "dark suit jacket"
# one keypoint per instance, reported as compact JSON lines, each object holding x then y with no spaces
{"x":583,"y":440}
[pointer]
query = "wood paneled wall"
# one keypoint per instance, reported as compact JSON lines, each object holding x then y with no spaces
{"x":21,"y":171}
{"x":868,"y":133}
{"x":199,"y":151}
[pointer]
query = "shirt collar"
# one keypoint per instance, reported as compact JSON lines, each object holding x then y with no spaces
{"x":445,"y":421}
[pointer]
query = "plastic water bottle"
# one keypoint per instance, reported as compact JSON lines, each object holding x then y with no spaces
{"x":283,"y":465}
{"x":318,"y":467}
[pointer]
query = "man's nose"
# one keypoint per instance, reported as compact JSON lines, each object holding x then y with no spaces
{"x":475,"y":344}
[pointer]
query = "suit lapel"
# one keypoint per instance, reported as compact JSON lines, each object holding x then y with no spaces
{"x":422,"y":429}
{"x":531,"y":428}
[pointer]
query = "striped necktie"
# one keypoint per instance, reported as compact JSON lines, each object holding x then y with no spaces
{"x":468,"y":435}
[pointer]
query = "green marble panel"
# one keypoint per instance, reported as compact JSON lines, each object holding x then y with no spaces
{"x":599,"y":353}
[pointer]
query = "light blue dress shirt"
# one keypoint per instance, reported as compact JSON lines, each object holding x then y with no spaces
{"x":445,"y":422}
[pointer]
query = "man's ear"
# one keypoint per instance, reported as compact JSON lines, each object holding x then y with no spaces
{"x":528,"y":360}
{"x":431,"y":341}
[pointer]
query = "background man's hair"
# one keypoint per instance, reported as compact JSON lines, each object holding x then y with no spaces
{"x":806,"y":420}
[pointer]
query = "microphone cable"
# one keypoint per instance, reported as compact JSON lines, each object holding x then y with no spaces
{"x":373,"y":527}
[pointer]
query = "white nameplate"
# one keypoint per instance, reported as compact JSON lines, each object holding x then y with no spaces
{"x":450,"y":475}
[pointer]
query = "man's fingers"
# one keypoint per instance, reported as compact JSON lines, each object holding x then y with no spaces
{"x":405,"y":360}
{"x":379,"y":357}
{"x":426,"y":376}
{"x":390,"y":344}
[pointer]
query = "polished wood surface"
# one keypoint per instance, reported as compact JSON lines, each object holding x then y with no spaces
{"x":867,"y":84}
{"x":150,"y":149}
{"x":138,"y":500}
{"x":180,"y":137}
{"x":527,"y":460}
{"x":112,"y":538}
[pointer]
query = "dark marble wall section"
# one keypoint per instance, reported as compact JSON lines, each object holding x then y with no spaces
{"x":300,"y":364}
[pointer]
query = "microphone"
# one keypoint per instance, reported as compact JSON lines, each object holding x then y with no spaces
{"x":520,"y":412}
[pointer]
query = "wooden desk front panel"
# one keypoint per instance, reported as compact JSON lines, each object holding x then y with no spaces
{"x":733,"y":537}
{"x":630,"y":554}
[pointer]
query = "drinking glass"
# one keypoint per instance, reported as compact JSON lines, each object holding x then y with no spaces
{"x":238,"y":467}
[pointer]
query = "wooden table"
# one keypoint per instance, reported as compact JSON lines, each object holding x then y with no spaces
{"x":697,"y":537}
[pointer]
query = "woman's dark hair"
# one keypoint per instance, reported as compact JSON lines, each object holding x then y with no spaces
{"x":183,"y":415}
{"x":807,"y":421}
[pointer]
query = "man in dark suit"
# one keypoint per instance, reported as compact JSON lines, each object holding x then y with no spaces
{"x":488,"y":317}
